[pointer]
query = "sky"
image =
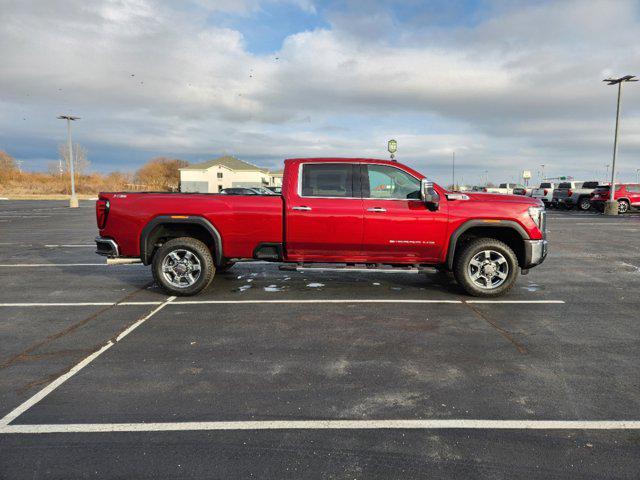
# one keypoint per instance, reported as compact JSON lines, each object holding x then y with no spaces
{"x":506,"y":85}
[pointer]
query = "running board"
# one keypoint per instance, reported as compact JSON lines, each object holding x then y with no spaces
{"x":348,"y":268}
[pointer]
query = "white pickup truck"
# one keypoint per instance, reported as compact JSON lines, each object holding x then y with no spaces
{"x":506,"y":188}
{"x":544,"y":192}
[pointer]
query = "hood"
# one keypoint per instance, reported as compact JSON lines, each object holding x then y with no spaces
{"x":498,"y":197}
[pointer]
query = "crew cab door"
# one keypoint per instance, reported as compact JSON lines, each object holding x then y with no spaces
{"x":398,"y":226}
{"x":324,"y":214}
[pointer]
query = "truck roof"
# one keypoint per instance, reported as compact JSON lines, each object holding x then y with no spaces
{"x":341,"y":159}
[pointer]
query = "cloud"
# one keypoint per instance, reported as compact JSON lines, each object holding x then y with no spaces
{"x":511,"y":85}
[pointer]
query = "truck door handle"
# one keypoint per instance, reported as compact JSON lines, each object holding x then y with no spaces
{"x":376,"y":209}
{"x":302,"y":208}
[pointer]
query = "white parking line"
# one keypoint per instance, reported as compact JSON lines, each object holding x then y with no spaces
{"x":375,"y":300}
{"x":77,"y":304}
{"x":19,"y":265}
{"x":470,"y":424}
{"x":515,"y":301}
{"x":15,"y":413}
{"x":70,"y":246}
{"x":241,"y":302}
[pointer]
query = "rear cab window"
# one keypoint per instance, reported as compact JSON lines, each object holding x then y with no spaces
{"x":564,"y":185}
{"x":590,"y":185}
{"x":328,"y":180}
{"x":545,"y":185}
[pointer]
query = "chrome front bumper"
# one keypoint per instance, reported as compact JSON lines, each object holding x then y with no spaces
{"x":107,"y":247}
{"x":535,"y":251}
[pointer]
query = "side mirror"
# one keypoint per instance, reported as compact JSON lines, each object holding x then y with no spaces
{"x":429,"y":194}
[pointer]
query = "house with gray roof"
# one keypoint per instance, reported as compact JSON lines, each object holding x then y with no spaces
{"x":226,"y":172}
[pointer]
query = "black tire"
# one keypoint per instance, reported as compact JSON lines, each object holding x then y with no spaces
{"x":584,"y":204}
{"x":463,"y":258}
{"x":623,"y":207}
{"x":195,"y":247}
{"x":225,"y":266}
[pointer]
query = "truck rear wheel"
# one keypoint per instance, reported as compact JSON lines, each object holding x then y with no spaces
{"x":183,"y":266}
{"x":486,"y":267}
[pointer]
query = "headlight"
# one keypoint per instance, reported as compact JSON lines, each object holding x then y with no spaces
{"x":538,"y":215}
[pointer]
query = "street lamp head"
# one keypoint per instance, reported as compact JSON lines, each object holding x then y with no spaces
{"x":615,"y":81}
{"x":68,"y":117}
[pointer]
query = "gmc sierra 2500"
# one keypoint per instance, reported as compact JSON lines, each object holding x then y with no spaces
{"x":332,"y":210}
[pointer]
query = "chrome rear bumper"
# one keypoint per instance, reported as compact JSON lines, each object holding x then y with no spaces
{"x":107,"y":247}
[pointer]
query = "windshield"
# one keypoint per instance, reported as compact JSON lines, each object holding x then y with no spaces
{"x":503,"y":185}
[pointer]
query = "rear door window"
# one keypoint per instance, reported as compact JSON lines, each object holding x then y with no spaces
{"x":328,"y":180}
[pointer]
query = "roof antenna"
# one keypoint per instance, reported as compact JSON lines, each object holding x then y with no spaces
{"x":392,"y":147}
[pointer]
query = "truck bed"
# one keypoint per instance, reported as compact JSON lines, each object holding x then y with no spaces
{"x":243,"y":221}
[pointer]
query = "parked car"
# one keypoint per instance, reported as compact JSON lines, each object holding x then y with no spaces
{"x":506,"y":188}
{"x":573,"y":194}
{"x":246,"y":191}
{"x":627,"y":195}
{"x":544,"y":192}
{"x":332,"y":210}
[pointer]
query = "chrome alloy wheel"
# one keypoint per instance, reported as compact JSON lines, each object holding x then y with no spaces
{"x":488,"y":269}
{"x":181,"y":268}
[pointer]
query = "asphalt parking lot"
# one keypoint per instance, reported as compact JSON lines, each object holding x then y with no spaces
{"x":276,"y":374}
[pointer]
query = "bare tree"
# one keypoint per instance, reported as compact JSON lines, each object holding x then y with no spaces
{"x":80,"y":164}
{"x":8,"y":166}
{"x":161,"y":173}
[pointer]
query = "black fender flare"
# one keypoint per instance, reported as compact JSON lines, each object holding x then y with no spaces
{"x":145,"y":251}
{"x":485,"y":223}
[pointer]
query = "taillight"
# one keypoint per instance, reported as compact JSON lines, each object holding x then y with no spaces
{"x":569,"y":193}
{"x":102,"y":210}
{"x":545,"y":192}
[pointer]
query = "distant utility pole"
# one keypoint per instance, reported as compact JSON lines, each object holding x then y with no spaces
{"x":612,"y":206}
{"x":453,"y":170}
{"x":542,"y":174}
{"x":73,"y":201}
{"x":637,"y":175}
{"x":606,"y":175}
{"x":19,"y":164}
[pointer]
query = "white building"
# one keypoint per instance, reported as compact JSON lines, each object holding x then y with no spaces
{"x":226,"y":172}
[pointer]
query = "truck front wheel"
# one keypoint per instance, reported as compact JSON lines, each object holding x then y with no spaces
{"x":183,"y":266}
{"x":485,"y":267}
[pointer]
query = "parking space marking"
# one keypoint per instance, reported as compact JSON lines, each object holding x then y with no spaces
{"x":78,"y":304}
{"x":70,"y":246}
{"x":236,"y":302}
{"x":17,"y":265}
{"x":326,"y":300}
{"x":16,"y":412}
{"x":516,"y":301}
{"x":435,"y":424}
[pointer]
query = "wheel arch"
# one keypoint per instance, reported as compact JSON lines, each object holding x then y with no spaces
{"x":508,"y":231}
{"x":173,"y":226}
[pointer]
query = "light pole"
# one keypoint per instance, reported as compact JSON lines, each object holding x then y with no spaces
{"x":611,"y":207}
{"x":606,"y":174}
{"x":453,"y":170}
{"x":637,"y":175}
{"x":542,"y":174}
{"x":73,"y":201}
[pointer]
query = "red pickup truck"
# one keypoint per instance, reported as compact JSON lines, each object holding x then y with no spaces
{"x":348,"y":211}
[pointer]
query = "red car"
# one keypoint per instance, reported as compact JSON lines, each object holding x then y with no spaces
{"x":332,"y":210}
{"x":627,"y":195}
